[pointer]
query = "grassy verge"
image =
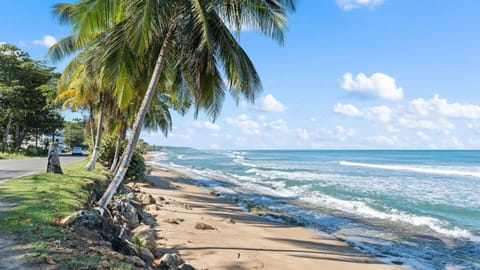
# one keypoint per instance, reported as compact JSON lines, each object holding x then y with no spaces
{"x":13,"y":156}
{"x":38,"y":199}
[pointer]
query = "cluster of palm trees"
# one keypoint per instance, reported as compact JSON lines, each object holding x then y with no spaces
{"x":137,"y":59}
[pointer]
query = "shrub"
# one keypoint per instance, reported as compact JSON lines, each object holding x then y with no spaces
{"x":32,"y":151}
{"x":136,"y":170}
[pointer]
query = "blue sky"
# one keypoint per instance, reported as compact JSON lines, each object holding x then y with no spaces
{"x":352,"y":74}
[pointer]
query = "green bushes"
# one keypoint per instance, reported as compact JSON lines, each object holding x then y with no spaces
{"x":136,"y":170}
{"x":33,"y":151}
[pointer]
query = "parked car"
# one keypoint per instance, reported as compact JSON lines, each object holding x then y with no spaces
{"x":77,"y":151}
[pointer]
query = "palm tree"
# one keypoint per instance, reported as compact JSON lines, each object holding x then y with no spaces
{"x":80,"y":86}
{"x":195,"y":41}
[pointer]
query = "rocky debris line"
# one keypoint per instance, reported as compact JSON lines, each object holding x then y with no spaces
{"x":131,"y":229}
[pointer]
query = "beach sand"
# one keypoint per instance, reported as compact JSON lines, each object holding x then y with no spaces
{"x":240,"y":240}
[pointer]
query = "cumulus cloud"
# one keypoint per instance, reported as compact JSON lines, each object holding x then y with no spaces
{"x":437,"y":106}
{"x":1,"y":43}
{"x":245,"y":124}
{"x":442,"y":125}
{"x":434,"y":114}
{"x":270,"y":104}
{"x":381,"y":113}
{"x":46,"y":41}
{"x":206,"y":125}
{"x":340,"y":133}
{"x":378,"y":85}
{"x":347,"y":109}
{"x":278,"y":125}
{"x":353,"y":4}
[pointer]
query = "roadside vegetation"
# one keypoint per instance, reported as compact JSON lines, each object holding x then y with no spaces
{"x":26,"y":87}
{"x":38,"y":201}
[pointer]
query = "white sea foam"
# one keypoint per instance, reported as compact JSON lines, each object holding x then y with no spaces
{"x":361,"y":209}
{"x":294,"y":175}
{"x":245,"y":163}
{"x":418,"y":169}
{"x":235,"y":154}
{"x":156,"y":155}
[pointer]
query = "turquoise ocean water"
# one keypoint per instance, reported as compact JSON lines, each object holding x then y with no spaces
{"x":420,"y":209}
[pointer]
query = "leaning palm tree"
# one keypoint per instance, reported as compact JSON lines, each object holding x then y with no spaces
{"x":196,"y":33}
{"x":191,"y":37}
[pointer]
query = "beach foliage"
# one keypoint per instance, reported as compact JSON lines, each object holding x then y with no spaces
{"x":136,"y":170}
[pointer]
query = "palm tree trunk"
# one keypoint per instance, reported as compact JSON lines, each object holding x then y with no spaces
{"x":120,"y":138}
{"x":137,"y":125}
{"x":91,"y":123}
{"x":98,"y":138}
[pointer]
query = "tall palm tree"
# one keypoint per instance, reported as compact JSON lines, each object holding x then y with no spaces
{"x":81,"y":85}
{"x":193,"y":37}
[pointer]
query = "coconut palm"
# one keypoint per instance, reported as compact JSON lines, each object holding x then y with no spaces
{"x":191,"y":40}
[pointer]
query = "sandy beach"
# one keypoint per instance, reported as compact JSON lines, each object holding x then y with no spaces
{"x":239,"y":240}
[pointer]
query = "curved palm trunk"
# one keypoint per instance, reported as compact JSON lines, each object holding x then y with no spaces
{"x":98,"y":137}
{"x":120,"y":138}
{"x":137,"y":126}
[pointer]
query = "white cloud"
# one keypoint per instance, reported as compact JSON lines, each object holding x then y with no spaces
{"x":347,"y":109}
{"x":303,"y":134}
{"x":435,"y":114}
{"x":385,"y":140}
{"x":47,"y":41}
{"x":278,"y":125}
{"x":381,"y":114}
{"x":423,"y":136}
{"x":437,"y":106}
{"x":345,"y":131}
{"x":340,"y":133}
{"x":245,"y":124}
{"x":2,"y":43}
{"x":379,"y":85}
{"x":353,"y":4}
{"x":270,"y":104}
{"x":180,"y":136}
{"x":439,"y":124}
{"x":206,"y":125}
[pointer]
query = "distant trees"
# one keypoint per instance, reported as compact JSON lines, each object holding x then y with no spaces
{"x":24,"y":92}
{"x":74,"y":133}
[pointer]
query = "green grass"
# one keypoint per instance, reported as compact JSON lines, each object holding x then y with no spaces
{"x":39,"y":199}
{"x":13,"y":156}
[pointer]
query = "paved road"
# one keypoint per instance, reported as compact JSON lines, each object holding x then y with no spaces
{"x":13,"y":168}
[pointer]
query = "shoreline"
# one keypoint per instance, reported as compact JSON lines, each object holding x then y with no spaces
{"x":237,"y":239}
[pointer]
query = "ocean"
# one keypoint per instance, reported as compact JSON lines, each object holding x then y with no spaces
{"x":419,"y":209}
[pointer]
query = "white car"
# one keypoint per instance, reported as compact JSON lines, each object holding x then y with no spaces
{"x":77,"y":151}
